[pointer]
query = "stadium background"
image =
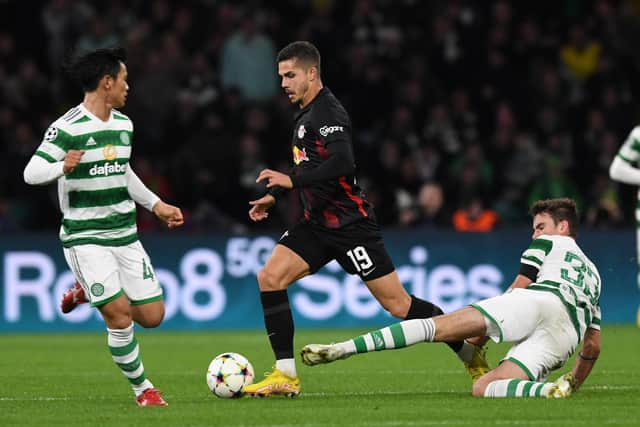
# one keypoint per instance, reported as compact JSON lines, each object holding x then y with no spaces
{"x":460,"y":108}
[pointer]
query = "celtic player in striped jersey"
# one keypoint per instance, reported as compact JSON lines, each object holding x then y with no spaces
{"x":551,"y":306}
{"x":87,"y":151}
{"x":625,"y":168}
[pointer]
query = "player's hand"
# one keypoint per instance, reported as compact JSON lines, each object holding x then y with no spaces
{"x":275,"y":178}
{"x":259,"y":207}
{"x":169,"y":214}
{"x":71,"y":160}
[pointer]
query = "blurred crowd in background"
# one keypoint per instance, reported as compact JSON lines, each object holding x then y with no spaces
{"x":463,"y":111}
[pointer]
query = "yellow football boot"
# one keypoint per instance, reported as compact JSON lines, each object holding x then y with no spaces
{"x":275,"y":383}
{"x":478,"y":365}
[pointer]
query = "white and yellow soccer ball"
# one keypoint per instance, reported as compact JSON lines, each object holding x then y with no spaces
{"x":228,"y":374}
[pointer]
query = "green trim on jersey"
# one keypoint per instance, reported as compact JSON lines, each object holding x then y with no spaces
{"x":120,"y":241}
{"x":635,"y":145}
{"x":542,"y":244}
{"x":93,"y":198}
{"x":112,"y":222}
{"x":83,"y":170}
{"x":45,"y":156}
{"x":532,"y":259}
{"x":120,"y":117}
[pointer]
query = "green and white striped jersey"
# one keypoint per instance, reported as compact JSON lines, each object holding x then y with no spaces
{"x":94,"y":199}
{"x":630,"y":153}
{"x":564,"y":270}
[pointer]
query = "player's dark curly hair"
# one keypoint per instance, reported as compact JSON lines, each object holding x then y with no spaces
{"x":302,"y":51}
{"x":563,"y":209}
{"x":89,"y":68}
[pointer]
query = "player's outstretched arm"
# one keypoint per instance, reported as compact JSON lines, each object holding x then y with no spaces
{"x":259,"y":207}
{"x":587,"y":356}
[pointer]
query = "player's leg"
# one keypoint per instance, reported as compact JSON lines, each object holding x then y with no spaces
{"x":392,"y":295}
{"x":125,"y":350}
{"x":510,"y":380}
{"x":148,"y":315}
{"x":140,"y":284}
{"x":297,"y":254}
{"x":144,"y":305}
{"x":360,"y":250}
{"x":464,"y":323}
{"x":282,"y":268}
{"x":545,"y":336}
{"x":97,"y":270}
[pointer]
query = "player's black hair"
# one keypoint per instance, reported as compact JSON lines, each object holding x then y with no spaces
{"x":563,"y":209}
{"x":302,"y":51}
{"x":89,"y":68}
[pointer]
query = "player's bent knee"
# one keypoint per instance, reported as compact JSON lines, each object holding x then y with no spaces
{"x":269,"y":281}
{"x":480,"y":386}
{"x":151,"y":323}
{"x":150,"y":319}
{"x":397,"y":307}
{"x":478,"y":389}
{"x":120,"y":322}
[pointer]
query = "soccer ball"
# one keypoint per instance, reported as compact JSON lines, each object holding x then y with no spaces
{"x":228,"y":374}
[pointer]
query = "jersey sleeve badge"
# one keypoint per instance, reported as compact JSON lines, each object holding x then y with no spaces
{"x":51,"y":134}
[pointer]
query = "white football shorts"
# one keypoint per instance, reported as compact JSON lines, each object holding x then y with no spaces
{"x":539,"y":325}
{"x":106,"y":272}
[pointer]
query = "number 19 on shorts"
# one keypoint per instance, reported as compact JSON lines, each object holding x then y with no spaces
{"x":360,"y":258}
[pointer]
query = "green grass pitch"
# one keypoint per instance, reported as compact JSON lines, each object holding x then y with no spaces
{"x":69,"y":379}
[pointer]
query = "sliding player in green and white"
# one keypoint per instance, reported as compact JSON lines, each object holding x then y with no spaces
{"x":551,"y":306}
{"x":87,"y":152}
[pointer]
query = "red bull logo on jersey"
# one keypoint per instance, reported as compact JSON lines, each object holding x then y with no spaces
{"x":299,"y":155}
